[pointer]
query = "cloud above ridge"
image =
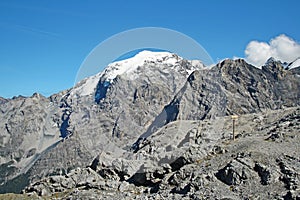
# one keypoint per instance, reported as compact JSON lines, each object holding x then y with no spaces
{"x":281,"y":48}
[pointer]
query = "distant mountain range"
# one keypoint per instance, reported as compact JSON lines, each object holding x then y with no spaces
{"x":113,"y":119}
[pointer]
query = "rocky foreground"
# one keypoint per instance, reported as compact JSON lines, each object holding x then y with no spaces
{"x":261,"y":163}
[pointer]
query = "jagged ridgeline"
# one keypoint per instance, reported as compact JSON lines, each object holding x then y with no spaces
{"x":149,"y":123}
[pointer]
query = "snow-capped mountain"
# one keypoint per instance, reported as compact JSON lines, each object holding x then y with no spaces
{"x":285,"y":65}
{"x":271,"y":60}
{"x":132,"y":66}
{"x":142,"y":63}
{"x":147,"y":96}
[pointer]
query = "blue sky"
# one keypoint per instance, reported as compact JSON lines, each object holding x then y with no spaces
{"x":44,"y":42}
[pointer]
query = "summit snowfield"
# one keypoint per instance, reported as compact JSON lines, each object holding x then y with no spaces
{"x":133,"y":67}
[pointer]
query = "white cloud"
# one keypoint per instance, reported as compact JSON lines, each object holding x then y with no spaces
{"x":281,"y":48}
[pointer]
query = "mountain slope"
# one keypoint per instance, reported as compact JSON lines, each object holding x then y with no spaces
{"x":261,"y":163}
{"x":232,"y":87}
{"x":129,"y":105}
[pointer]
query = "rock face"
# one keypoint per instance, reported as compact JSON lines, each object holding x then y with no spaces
{"x":158,"y":126}
{"x":29,"y":127}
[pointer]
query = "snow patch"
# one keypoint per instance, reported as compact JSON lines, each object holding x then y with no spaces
{"x":87,"y":86}
{"x":294,"y":64}
{"x":131,"y":64}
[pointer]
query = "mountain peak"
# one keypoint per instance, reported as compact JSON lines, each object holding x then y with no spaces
{"x":128,"y":65}
{"x":230,"y":63}
{"x":271,"y":60}
{"x":144,"y":62}
{"x":285,"y":65}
